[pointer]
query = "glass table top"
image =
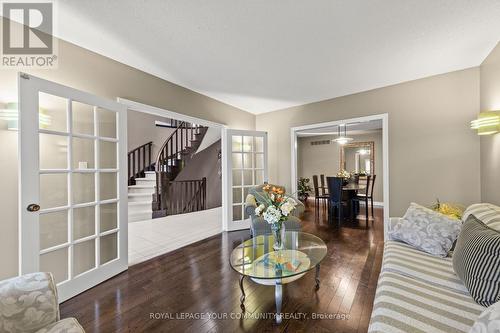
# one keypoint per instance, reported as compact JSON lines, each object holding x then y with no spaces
{"x":256,"y":257}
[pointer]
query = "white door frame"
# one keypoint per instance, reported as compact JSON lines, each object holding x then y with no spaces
{"x":385,"y":158}
{"x":29,"y":171}
{"x":140,"y":107}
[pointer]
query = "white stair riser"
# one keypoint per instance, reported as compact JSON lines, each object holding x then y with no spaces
{"x":145,"y":182}
{"x":149,"y":190}
{"x":141,"y":197}
{"x":150,"y":175}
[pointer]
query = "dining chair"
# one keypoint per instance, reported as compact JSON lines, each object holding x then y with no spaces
{"x":318,"y":195}
{"x":324,"y":188}
{"x":365,"y":195}
{"x":335,"y":198}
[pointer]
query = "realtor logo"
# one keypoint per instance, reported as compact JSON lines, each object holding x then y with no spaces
{"x":27,"y":35}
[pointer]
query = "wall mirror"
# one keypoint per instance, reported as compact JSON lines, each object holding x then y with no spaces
{"x":358,"y":157}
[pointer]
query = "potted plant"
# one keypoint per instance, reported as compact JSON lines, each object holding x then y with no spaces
{"x":303,"y":189}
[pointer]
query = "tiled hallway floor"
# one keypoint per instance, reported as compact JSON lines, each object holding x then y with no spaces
{"x":150,"y":238}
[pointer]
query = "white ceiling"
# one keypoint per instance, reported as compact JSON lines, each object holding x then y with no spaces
{"x":262,"y":55}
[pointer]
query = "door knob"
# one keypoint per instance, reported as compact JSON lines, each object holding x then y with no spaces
{"x":33,"y":208}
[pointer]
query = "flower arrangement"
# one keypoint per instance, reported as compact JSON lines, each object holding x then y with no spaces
{"x":344,"y":174}
{"x":275,"y":207}
{"x":452,"y":210}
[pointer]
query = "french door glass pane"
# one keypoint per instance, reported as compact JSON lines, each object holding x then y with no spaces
{"x":237,"y":178}
{"x":248,"y":143}
{"x":247,"y":160}
{"x":55,"y":262}
{"x":259,"y":161}
{"x":237,"y":163}
{"x":237,"y":212}
{"x":259,"y":144}
{"x":83,"y":187}
{"x":107,"y":123}
{"x":83,"y":118}
{"x":108,"y":185}
{"x":53,"y":112}
{"x":53,"y":190}
{"x":83,"y":256}
{"x":83,"y":222}
{"x":83,"y":153}
{"x":109,"y":248}
{"x":237,"y":143}
{"x":237,"y":195}
{"x":53,"y":229}
{"x":53,"y":151}
{"x":109,"y":216}
{"x":107,"y":154}
{"x":247,"y":177}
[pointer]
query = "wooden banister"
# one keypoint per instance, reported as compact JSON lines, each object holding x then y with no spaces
{"x":139,"y":161}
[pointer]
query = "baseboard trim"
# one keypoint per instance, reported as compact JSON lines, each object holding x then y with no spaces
{"x":375,"y":203}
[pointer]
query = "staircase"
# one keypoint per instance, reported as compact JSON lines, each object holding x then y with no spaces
{"x":153,"y":190}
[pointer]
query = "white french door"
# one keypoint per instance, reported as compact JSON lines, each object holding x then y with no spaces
{"x":246,"y":167}
{"x":73,"y":185}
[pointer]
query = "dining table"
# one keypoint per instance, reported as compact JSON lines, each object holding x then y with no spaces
{"x":349,"y":191}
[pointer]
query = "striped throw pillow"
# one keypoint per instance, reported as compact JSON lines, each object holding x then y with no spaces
{"x":476,"y":260}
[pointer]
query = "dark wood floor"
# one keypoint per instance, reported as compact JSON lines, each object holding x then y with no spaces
{"x":198,"y":279}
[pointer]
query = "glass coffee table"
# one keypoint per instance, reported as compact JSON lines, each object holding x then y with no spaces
{"x":256,"y":259}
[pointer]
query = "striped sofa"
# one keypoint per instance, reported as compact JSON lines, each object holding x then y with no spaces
{"x":420,"y":293}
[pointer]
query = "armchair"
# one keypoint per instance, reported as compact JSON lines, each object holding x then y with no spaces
{"x":29,"y":304}
{"x":258,"y":225}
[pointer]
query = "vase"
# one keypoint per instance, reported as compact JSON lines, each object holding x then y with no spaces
{"x":278,"y":230}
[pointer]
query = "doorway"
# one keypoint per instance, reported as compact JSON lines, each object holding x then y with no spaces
{"x":241,"y":157}
{"x":360,"y":143}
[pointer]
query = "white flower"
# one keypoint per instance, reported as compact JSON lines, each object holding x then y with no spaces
{"x":286,"y":208}
{"x":272,"y":215}
{"x":291,"y":201}
{"x":258,"y":210}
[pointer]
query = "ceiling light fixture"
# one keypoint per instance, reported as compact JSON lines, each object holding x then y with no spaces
{"x":342,"y":139}
{"x":486,"y":123}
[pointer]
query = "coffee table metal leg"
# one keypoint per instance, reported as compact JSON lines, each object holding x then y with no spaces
{"x":278,"y":294}
{"x":242,"y":297}
{"x":317,"y":276}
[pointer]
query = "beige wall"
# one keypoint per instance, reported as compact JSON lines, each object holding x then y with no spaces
{"x":325,"y":159}
{"x":88,"y":71}
{"x":490,"y":144}
{"x":141,"y":129}
{"x":432,"y":151}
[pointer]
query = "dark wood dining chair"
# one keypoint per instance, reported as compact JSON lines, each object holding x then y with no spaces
{"x":318,"y":194}
{"x":335,"y":198}
{"x":367,"y":194}
{"x":324,"y":188}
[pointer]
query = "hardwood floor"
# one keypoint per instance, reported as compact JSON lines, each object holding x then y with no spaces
{"x":198,"y":279}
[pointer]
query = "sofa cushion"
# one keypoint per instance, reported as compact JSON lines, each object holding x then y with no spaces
{"x":404,"y":304}
{"x":476,"y":260}
{"x":427,"y":230}
{"x":405,"y":260}
{"x":68,"y":325}
{"x":488,"y":321}
{"x":488,"y":213}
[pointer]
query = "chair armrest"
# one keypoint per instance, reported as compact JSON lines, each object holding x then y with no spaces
{"x":299,"y":209}
{"x":29,"y":302}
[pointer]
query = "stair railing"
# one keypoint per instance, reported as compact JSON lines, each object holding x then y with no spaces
{"x":170,"y":160}
{"x":186,"y":196}
{"x":139,"y":161}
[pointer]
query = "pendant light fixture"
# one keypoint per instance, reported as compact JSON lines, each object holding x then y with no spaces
{"x":342,"y":139}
